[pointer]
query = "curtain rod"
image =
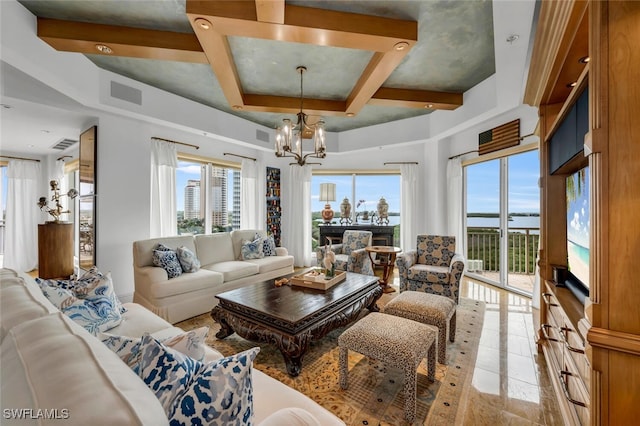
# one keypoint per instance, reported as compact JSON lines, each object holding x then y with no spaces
{"x":526,"y":136}
{"x":19,"y":158}
{"x":63,"y":157}
{"x":179,"y":143}
{"x":241,"y":156}
{"x":464,"y":153}
{"x":400,"y":162}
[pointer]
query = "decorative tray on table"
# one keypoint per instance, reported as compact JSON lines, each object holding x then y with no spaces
{"x":317,"y":280}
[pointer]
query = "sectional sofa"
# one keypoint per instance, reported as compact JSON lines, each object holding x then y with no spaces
{"x":54,"y":371}
{"x":222,"y":269}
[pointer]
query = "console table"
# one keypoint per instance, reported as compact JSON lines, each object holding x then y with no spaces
{"x":382,"y":235}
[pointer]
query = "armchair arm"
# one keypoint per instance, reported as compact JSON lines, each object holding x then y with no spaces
{"x":456,"y":269}
{"x":281,"y":251}
{"x":404,"y":261}
{"x":360,"y":262}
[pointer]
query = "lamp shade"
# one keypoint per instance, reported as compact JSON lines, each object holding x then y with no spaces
{"x":327,"y":192}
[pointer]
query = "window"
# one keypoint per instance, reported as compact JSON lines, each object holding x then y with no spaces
{"x":207,"y":196}
{"x":363,"y":190}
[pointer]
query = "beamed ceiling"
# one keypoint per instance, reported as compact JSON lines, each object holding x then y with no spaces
{"x":368,"y":62}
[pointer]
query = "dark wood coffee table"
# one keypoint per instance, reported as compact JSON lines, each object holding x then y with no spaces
{"x":290,"y":317}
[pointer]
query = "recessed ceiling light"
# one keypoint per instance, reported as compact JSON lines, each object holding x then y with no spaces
{"x":103,"y":48}
{"x":350,"y":114}
{"x":237,"y":107}
{"x":573,"y":84}
{"x":512,"y":38}
{"x":401,"y":45}
{"x":44,"y":131}
{"x":584,"y":59}
{"x":203,"y":23}
{"x":429,"y":106}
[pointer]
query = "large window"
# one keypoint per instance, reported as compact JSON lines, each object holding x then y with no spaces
{"x":363,"y":192}
{"x":207,"y":197}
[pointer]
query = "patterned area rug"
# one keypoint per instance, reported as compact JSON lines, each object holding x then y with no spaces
{"x":375,"y":394}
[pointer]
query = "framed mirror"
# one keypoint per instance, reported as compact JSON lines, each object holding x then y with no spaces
{"x":87,"y":195}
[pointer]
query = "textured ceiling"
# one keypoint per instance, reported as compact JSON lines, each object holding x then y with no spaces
{"x":454,"y":52}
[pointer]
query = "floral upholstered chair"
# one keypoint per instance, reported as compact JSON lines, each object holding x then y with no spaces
{"x":350,"y":254}
{"x":433,"y":268}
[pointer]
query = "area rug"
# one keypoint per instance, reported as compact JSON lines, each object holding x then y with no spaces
{"x":375,"y":394}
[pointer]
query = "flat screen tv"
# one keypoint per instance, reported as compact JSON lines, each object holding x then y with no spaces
{"x":578,"y":225}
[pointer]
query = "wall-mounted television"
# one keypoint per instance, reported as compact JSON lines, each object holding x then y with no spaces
{"x":578,"y":225}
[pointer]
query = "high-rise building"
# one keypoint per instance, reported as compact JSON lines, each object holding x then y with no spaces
{"x":235,"y":214}
{"x":192,"y":205}
{"x":218,"y":185}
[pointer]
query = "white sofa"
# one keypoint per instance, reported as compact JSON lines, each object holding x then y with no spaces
{"x":51,"y":363}
{"x":222,"y":269}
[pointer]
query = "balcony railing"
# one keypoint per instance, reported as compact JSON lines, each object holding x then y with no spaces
{"x":483,"y":250}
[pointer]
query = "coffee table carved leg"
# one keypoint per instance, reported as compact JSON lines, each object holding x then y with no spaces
{"x":225,"y":328}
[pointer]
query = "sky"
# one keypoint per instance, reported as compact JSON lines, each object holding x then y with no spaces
{"x":369,"y":189}
{"x":483,"y":185}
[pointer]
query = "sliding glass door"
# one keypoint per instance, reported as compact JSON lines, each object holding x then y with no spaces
{"x":503,"y":220}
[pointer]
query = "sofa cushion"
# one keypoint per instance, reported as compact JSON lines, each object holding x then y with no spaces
{"x":234,"y":270}
{"x":216,"y":393}
{"x":167,"y":260}
{"x":239,"y":235}
{"x":143,"y":249}
{"x":138,"y":320}
{"x":98,"y":314}
{"x":291,"y":416}
{"x":271,"y":263}
{"x":190,"y":343}
{"x":429,"y":273}
{"x":52,"y":363}
{"x":188,"y":259}
{"x":20,"y":300}
{"x":214,"y":248}
{"x":436,"y":250}
{"x":252,"y":249}
{"x":185,"y":283}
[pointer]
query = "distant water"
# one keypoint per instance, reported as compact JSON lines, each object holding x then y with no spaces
{"x":494,"y":222}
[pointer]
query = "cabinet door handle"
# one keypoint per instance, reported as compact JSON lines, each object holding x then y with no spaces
{"x":565,"y":388}
{"x":547,"y":300}
{"x":566,"y":341}
{"x":543,"y":328}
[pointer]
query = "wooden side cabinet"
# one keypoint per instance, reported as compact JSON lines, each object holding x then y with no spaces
{"x":55,"y":250}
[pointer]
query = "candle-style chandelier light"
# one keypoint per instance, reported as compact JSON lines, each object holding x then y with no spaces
{"x":289,"y":136}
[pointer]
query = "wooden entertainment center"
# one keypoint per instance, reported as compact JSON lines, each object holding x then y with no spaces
{"x":593,"y":350}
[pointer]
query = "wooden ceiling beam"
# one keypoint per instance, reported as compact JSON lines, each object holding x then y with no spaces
{"x":83,"y":37}
{"x":408,"y":98}
{"x":291,"y":105}
{"x":270,"y":11}
{"x":307,"y":25}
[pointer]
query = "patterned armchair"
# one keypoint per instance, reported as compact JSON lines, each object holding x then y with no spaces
{"x":351,"y":255}
{"x":433,"y":268}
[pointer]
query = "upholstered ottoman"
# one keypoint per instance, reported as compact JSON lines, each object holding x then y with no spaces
{"x":430,"y":309}
{"x":395,"y":340}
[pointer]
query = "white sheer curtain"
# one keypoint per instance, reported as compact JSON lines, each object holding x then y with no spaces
{"x":455,"y":214}
{"x":250,"y":200}
{"x":408,"y":205}
{"x":298,"y":225}
{"x":164,"y":161}
{"x":21,"y":239}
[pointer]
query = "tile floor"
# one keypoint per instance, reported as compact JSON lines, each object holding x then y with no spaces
{"x":510,"y":384}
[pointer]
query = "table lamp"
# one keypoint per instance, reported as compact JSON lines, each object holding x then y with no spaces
{"x":327,"y":194}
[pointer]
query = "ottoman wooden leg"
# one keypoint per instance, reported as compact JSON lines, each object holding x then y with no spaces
{"x":452,"y":328}
{"x":442,"y":342}
{"x":410,"y":380}
{"x":344,"y":367}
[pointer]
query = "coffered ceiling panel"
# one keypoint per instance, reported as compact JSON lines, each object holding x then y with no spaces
{"x":453,"y":52}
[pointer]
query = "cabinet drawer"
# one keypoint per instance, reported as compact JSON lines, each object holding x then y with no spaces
{"x":553,"y":307}
{"x":575,"y":355}
{"x":575,"y":394}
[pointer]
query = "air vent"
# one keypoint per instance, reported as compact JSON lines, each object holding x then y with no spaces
{"x":64,"y":144}
{"x":261,"y":135}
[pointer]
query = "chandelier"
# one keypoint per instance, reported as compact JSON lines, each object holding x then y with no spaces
{"x":290,"y":134}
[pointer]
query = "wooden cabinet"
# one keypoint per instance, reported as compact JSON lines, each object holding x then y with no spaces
{"x":382,"y":235}
{"x":55,"y":250}
{"x":274,"y":210}
{"x":606,"y":378}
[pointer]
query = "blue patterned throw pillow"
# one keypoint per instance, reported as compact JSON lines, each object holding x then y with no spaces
{"x":187,"y":259}
{"x":95,"y":315}
{"x":218,"y":393}
{"x":167,"y":259}
{"x":252,"y":249}
{"x":268,"y":245}
{"x":190,"y":343}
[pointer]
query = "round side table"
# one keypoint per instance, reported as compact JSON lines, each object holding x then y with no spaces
{"x":385,"y":257}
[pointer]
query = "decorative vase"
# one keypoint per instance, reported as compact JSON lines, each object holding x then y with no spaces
{"x":345,"y":211}
{"x":330,"y":272}
{"x":327,"y":213}
{"x":365,"y":215}
{"x":383,"y":208}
